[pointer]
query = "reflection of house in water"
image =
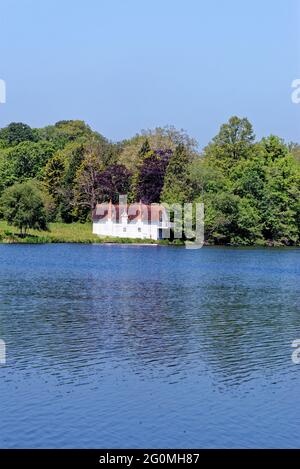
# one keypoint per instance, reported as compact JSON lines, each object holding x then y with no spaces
{"x":131,"y":221}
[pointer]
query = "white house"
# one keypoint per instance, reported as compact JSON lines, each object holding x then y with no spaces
{"x":131,"y":221}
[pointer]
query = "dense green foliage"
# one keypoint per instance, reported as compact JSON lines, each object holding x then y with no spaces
{"x":250,"y":188}
{"x":22,"y":205}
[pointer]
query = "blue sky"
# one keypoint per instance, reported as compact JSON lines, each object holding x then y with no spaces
{"x":128,"y":65}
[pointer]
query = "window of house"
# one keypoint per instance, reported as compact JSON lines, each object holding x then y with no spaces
{"x":139,"y":230}
{"x":124,"y":230}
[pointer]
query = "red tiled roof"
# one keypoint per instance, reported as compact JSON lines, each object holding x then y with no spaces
{"x":136,"y":211}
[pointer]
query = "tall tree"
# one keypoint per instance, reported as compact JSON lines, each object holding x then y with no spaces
{"x":234,"y":142}
{"x":145,"y":149}
{"x":86,"y":185}
{"x":53,"y":179}
{"x":151,"y":176}
{"x":17,"y":132}
{"x":22,"y":206}
{"x":160,"y":138}
{"x":175,"y":189}
{"x":274,"y":147}
{"x":112,"y":182}
{"x":28,"y":159}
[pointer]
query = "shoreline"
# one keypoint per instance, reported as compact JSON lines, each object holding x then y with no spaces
{"x":81,"y":233}
{"x":146,"y":243}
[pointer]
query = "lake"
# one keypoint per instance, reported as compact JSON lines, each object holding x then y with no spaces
{"x":132,"y":346}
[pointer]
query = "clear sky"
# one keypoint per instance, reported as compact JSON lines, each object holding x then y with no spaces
{"x":127,"y":65}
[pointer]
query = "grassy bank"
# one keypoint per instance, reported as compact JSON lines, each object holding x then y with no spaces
{"x":82,"y":233}
{"x":61,"y":233}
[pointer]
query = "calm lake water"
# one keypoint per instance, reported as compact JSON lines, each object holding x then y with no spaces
{"x":127,"y":346}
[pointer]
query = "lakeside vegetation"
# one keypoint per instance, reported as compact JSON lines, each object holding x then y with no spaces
{"x":62,"y":233}
{"x":51,"y":179}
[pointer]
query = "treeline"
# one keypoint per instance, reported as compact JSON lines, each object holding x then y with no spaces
{"x":250,"y":188}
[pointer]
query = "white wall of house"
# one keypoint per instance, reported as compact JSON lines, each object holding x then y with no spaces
{"x":135,"y":229}
{"x":139,"y":228}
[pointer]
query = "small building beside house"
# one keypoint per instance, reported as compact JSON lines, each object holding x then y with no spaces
{"x":137,"y":221}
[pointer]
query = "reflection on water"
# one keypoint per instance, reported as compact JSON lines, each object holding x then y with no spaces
{"x":140,"y":346}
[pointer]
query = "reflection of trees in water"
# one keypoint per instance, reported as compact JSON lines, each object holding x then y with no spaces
{"x":246,"y":331}
{"x":146,"y":326}
{"x":48,"y":328}
{"x":69,"y":325}
{"x":235,"y":332}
